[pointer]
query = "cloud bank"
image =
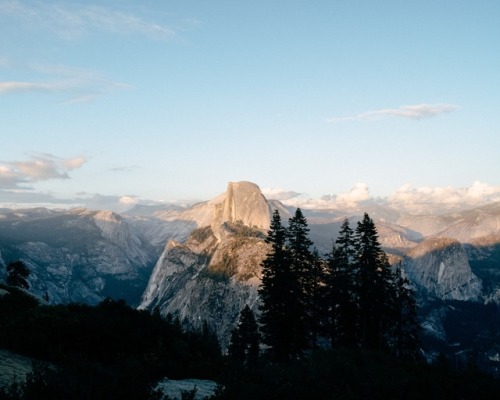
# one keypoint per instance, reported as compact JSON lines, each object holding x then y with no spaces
{"x":358,"y":194}
{"x":422,"y":199}
{"x":415,"y":200}
{"x":414,"y":112}
{"x":22,"y":174}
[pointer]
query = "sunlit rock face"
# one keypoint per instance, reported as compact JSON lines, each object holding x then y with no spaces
{"x":440,"y":266}
{"x":243,"y":202}
{"x":216,"y":272}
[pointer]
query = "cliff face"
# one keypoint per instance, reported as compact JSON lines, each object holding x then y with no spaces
{"x":77,"y":255}
{"x":216,"y":272}
{"x":441,"y":268}
{"x":207,"y":280}
{"x":243,"y":202}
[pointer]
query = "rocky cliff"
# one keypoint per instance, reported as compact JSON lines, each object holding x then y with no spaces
{"x":440,"y":267}
{"x":216,"y":272}
{"x":77,"y":255}
{"x":243,"y":202}
{"x":207,"y":256}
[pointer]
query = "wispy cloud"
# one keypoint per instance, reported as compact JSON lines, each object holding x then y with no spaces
{"x":76,"y":84}
{"x":21,"y":174}
{"x":16,"y":86}
{"x":414,"y":112}
{"x":69,"y":20}
{"x":125,"y":168}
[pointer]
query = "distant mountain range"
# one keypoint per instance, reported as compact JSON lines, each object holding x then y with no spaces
{"x":202,"y":263}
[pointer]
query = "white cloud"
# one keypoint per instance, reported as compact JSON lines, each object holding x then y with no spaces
{"x":279,"y":194}
{"x":481,"y":191}
{"x":128,"y":200}
{"x":359,"y":193}
{"x":421,"y":200}
{"x":415,"y":112}
{"x":73,"y":163}
{"x":18,"y":174}
{"x":109,"y":202}
{"x":426,"y":199}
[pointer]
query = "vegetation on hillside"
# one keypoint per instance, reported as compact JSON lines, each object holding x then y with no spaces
{"x":337,"y":327}
{"x":108,"y":351}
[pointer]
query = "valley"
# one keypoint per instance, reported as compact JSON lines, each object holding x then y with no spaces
{"x":202,"y":263}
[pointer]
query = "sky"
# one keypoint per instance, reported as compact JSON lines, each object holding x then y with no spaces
{"x":112,"y":103}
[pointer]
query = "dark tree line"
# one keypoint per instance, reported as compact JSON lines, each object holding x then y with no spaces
{"x":371,"y":305}
{"x":352,"y":299}
{"x":108,"y":351}
{"x":17,"y":274}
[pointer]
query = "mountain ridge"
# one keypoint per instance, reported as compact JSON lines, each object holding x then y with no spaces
{"x":202,"y":262}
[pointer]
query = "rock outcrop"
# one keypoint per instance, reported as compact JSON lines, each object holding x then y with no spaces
{"x":441,"y":268}
{"x":216,"y":272}
{"x":243,"y":202}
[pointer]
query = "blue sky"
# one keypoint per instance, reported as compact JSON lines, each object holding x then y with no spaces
{"x":316,"y":102}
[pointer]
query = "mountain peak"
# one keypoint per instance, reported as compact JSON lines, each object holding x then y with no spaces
{"x":244,"y":202}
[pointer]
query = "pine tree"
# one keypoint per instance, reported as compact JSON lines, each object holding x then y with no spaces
{"x":17,"y":274}
{"x":245,"y":340}
{"x":314,"y":304}
{"x":210,"y":339}
{"x":341,"y":295}
{"x":374,"y":286}
{"x":278,"y":295}
{"x":301,"y":264}
{"x":405,"y":330}
{"x":46,"y":296}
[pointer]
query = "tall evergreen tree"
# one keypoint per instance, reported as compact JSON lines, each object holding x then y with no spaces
{"x":301,"y":264}
{"x":278,"y":295}
{"x":374,"y":285}
{"x":314,"y":304}
{"x":340,"y":291}
{"x":405,"y":330}
{"x":245,"y":340}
